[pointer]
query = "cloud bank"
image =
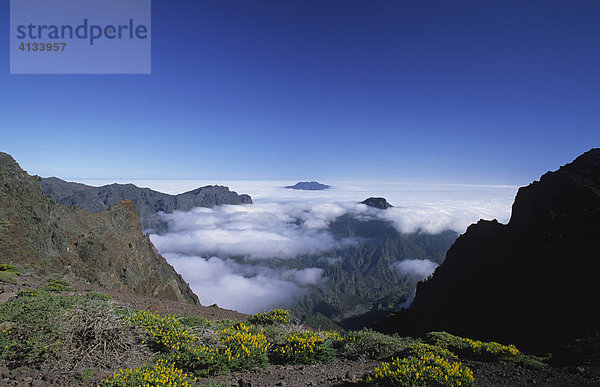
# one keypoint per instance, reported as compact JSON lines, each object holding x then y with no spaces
{"x":286,"y":224}
{"x":417,"y":268}
{"x":245,"y":288}
{"x":259,"y":231}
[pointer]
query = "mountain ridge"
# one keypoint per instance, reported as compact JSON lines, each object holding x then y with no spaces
{"x":107,"y":247}
{"x":147,"y":201}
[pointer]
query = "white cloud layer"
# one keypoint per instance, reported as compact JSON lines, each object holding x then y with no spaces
{"x":256,"y":231}
{"x":287,"y":223}
{"x":417,"y":268}
{"x":245,"y":288}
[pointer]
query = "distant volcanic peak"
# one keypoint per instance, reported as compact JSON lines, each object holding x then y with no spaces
{"x":309,"y":186}
{"x":380,"y":203}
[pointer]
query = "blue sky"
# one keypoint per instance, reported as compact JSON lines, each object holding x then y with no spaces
{"x":491,"y":92}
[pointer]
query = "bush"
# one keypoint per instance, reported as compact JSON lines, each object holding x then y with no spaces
{"x":95,"y":336}
{"x":275,"y":316}
{"x":31,"y":293}
{"x":30,"y":333}
{"x":164,"y":333}
{"x":245,"y":347}
{"x":373,"y":345}
{"x":98,"y":296}
{"x":8,"y":277}
{"x":237,"y":348}
{"x":9,"y":268}
{"x":307,"y":347}
{"x":196,"y":322}
{"x":162,"y":373}
{"x":57,"y":286}
{"x":483,"y":351}
{"x":419,"y":349}
{"x":425,"y":369}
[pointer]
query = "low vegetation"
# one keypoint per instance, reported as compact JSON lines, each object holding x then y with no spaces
{"x":88,"y":337}
{"x":306,"y":347}
{"x":57,"y":285}
{"x":424,"y":369}
{"x":9,"y":273}
{"x":4,"y":267}
{"x":483,"y":351}
{"x":275,"y":316}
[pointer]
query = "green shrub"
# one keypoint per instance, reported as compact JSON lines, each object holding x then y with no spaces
{"x":56,"y":285}
{"x":162,"y":373}
{"x":196,"y":322}
{"x":373,"y":345}
{"x":275,"y":316}
{"x":245,"y":347}
{"x":164,"y":333}
{"x":237,"y":348}
{"x":419,"y":349}
{"x":8,"y":277}
{"x":307,"y":347}
{"x":426,"y":369}
{"x":483,"y":351}
{"x":31,"y":293}
{"x":87,"y":373}
{"x":30,"y":332}
{"x":224,"y":323}
{"x":9,"y":268}
{"x":98,"y":296}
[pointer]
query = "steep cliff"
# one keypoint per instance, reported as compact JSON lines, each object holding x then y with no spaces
{"x":533,"y":282}
{"x":107,"y":247}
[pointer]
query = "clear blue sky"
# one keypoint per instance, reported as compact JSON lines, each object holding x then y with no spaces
{"x":431,"y":91}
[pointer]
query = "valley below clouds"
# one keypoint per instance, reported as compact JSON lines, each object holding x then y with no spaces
{"x":269,"y":254}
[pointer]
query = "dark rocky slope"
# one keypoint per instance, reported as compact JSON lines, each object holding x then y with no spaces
{"x":147,"y":201}
{"x":380,"y":203}
{"x":533,"y":282}
{"x":106,"y":248}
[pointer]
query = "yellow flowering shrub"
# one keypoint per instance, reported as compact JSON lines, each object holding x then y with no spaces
{"x":9,"y":268}
{"x":57,"y":285}
{"x":165,"y":332}
{"x":425,"y":369}
{"x":30,"y":293}
{"x":244,"y":347}
{"x":275,"y":316}
{"x":238,"y":347}
{"x":163,"y":373}
{"x":479,"y":350}
{"x":307,"y":347}
{"x":419,"y":349}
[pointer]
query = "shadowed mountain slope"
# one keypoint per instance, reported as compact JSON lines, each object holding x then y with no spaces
{"x":533,"y":282}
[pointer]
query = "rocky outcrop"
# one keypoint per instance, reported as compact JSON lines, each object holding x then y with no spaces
{"x":308,"y":186}
{"x":147,"y":202}
{"x":107,"y":247}
{"x":380,"y":203}
{"x":533,"y":282}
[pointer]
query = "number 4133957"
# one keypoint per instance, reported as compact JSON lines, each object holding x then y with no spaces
{"x":42,"y":46}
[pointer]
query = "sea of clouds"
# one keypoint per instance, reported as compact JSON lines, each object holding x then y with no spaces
{"x":284,"y":224}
